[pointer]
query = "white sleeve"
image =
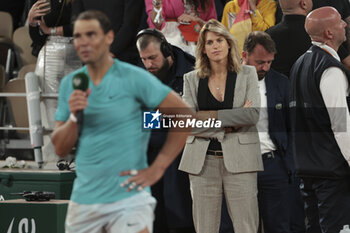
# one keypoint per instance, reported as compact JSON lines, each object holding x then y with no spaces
{"x":334,"y":89}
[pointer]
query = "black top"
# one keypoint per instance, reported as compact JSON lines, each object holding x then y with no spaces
{"x":125,"y":16}
{"x":53,"y":19}
{"x":206,"y":101}
{"x":214,"y":104}
{"x":183,"y":63}
{"x":291,"y":42}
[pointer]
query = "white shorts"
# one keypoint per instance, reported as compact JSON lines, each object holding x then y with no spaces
{"x":130,"y":215}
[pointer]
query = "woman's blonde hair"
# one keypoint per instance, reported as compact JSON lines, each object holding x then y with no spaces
{"x":202,"y":61}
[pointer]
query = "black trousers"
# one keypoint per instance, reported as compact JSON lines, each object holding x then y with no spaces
{"x":296,"y":207}
{"x":273,"y":194}
{"x":327,"y":204}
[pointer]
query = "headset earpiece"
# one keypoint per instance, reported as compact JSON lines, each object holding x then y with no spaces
{"x":165,"y":47}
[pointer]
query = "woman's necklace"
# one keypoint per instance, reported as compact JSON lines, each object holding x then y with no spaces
{"x":218,"y":86}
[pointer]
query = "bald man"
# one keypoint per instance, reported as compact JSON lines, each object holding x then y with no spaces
{"x":321,"y":124}
{"x":343,"y":8}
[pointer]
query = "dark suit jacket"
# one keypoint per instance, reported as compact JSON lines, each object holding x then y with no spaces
{"x":278,"y":88}
{"x":125,"y":16}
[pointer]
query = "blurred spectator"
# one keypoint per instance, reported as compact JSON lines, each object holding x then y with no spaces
{"x":48,"y":18}
{"x":125,"y":16}
{"x":50,"y":30}
{"x":182,"y":11}
{"x":289,"y":35}
{"x":244,"y":16}
{"x":180,"y":21}
{"x":168,"y":63}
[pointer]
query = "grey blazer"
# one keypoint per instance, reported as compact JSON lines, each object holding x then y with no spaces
{"x":241,"y":149}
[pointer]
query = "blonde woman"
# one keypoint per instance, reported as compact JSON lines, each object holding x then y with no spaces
{"x":223,"y":161}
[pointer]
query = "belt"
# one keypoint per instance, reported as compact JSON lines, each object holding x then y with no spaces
{"x":216,"y":153}
{"x":269,"y":155}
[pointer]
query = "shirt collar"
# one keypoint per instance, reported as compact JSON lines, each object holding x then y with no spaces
{"x":261,"y":83}
{"x":327,"y":48}
{"x":294,"y":18}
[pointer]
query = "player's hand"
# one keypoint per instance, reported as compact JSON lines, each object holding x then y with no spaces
{"x":141,"y":178}
{"x":78,"y":100}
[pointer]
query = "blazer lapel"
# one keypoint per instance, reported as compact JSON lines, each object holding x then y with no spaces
{"x":202,"y":95}
{"x":230,"y":89}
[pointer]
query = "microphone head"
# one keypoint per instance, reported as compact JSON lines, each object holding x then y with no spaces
{"x":80,"y":81}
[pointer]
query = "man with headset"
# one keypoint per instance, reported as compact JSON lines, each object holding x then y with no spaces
{"x":168,"y":63}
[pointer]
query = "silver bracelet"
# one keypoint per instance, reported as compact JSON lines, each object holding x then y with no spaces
{"x":53,"y":31}
{"x":35,"y":24}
